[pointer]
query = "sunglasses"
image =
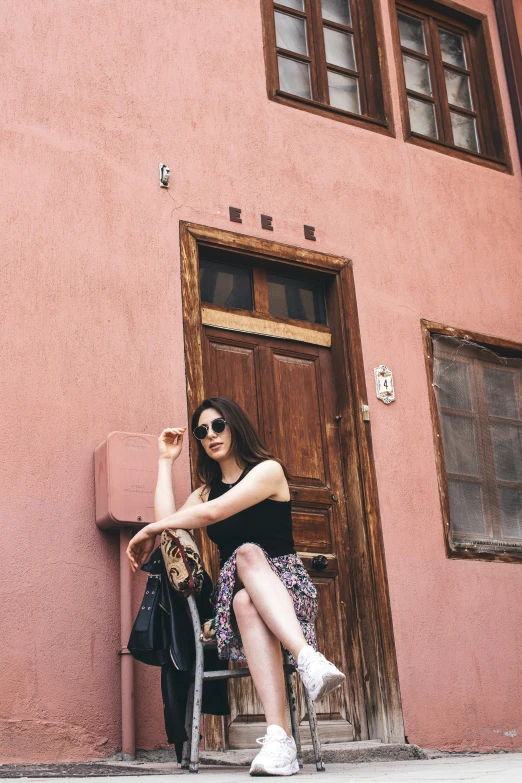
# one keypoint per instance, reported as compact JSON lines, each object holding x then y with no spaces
{"x":217,"y":426}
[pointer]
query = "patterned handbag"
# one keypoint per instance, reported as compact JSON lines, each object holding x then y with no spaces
{"x":182,"y":561}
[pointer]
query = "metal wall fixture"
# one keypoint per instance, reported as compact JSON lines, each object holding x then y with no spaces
{"x":164,"y":174}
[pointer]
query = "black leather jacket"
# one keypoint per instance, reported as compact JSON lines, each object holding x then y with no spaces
{"x":163,"y":635}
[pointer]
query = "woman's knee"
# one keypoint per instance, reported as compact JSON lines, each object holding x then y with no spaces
{"x":250,"y":555}
{"x":242,"y":603}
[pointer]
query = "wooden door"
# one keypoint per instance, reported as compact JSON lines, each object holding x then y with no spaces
{"x":289,"y":392}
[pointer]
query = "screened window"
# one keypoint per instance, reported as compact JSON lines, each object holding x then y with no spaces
{"x":448,"y":89}
{"x":478,"y":394}
{"x":325,"y":52}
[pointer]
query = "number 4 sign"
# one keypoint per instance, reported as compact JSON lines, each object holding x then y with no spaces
{"x":384,"y":384}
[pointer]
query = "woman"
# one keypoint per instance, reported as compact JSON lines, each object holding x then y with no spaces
{"x":264,"y":597}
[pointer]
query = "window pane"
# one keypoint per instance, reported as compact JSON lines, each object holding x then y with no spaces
{"x":412,"y":33}
{"x":339,"y":48}
{"x":507,"y":451}
{"x":460,"y":447}
{"x":344,"y":92}
{"x":297,"y":4}
{"x":294,"y":77}
{"x":466,"y":508}
{"x":417,"y":74}
{"x":452,"y":384}
{"x":510,"y":511}
{"x":289,"y":298}
{"x":291,"y":33}
{"x":225,"y":284}
{"x":337,"y":11}
{"x":422,"y":118}
{"x":452,"y":48}
{"x":457,"y":87}
{"x":500,"y":393}
{"x":464,"y":131}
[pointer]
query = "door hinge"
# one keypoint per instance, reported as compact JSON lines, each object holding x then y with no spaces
{"x":365,"y":412}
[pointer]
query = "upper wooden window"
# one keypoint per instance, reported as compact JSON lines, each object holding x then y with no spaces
{"x":478,"y":395}
{"x":449,"y":99}
{"x":324,"y":55}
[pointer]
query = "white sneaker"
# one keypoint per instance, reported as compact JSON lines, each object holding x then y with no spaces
{"x":319,"y":676}
{"x":278,"y":756}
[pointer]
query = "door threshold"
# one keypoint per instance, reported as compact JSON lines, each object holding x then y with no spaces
{"x":242,"y":736}
{"x":332,"y":753}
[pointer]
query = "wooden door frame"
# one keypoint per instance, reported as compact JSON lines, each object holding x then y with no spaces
{"x":367,"y":561}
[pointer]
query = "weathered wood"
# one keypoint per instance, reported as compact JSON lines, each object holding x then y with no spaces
{"x":466,"y":334}
{"x":512,"y":54}
{"x":260,"y":290}
{"x":193,"y":357}
{"x":364,"y":614}
{"x":384,"y":710}
{"x":245,"y":323}
{"x":288,"y":387}
{"x":265,"y":316}
{"x":246,"y":738}
{"x":262,"y":247}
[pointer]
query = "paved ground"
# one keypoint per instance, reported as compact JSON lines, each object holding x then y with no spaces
{"x":493,"y":768}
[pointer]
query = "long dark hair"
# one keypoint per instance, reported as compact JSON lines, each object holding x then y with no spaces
{"x":245,"y":441}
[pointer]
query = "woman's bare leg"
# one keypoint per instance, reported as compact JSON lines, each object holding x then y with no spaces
{"x":264,"y":658}
{"x":269,"y":597}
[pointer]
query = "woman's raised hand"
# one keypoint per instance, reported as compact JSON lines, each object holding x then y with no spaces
{"x":170,"y":442}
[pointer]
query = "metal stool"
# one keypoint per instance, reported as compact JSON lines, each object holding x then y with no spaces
{"x":190,"y":759}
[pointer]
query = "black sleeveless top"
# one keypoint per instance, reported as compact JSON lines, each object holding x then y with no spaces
{"x":268,"y":524}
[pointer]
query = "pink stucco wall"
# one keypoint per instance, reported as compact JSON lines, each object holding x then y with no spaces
{"x":94,"y":97}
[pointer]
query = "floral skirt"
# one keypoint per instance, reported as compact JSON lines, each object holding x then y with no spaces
{"x":292,"y":573}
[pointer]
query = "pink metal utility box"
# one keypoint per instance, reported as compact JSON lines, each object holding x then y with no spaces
{"x":126,"y":466}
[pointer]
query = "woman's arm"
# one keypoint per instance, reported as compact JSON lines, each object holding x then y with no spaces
{"x":170,"y":443}
{"x":164,"y":503}
{"x":263,"y":481}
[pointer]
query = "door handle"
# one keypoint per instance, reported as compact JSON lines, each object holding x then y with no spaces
{"x":319,"y":562}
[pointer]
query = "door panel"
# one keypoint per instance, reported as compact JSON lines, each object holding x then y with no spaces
{"x":311,"y":528}
{"x":235,"y":365}
{"x":297,"y":412}
{"x":288,"y":391}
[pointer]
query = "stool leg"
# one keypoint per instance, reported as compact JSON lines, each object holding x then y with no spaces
{"x":292,"y":703}
{"x":185,"y":758}
{"x":319,"y":763}
{"x":198,"y":687}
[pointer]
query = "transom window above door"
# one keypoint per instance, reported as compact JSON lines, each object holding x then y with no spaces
{"x":449,"y":91}
{"x":232,"y":281}
{"x":323,"y":55}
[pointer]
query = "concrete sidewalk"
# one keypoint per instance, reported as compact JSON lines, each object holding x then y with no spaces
{"x":491,"y":768}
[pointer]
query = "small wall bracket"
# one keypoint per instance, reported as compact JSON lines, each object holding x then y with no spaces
{"x":164,"y":174}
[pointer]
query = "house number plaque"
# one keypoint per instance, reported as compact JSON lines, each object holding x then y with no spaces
{"x":384,"y":384}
